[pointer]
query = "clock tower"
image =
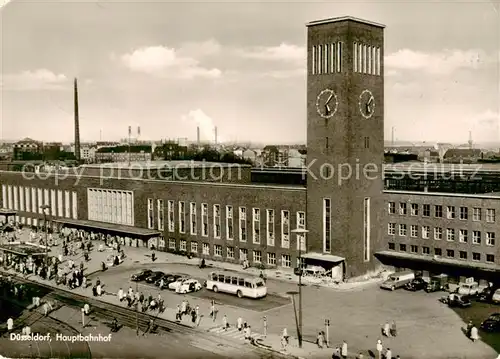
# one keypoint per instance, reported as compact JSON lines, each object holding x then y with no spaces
{"x":345,"y":140}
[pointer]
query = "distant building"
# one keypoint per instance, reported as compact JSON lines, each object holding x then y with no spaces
{"x":296,"y":159}
{"x":124,"y":154}
{"x":465,"y":155}
{"x":87,"y":153}
{"x":249,"y":155}
{"x":170,"y":151}
{"x":27,"y":149}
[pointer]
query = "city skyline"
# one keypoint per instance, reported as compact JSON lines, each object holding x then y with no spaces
{"x":178,"y":67}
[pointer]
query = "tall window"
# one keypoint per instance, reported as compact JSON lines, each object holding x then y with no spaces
{"x":53,"y":203}
{"x":39,"y":197}
{"x":4,"y":196}
{"x":332,"y":58}
{"x":365,"y":59}
{"x":339,"y":57}
{"x":74,"y":202}
{"x":369,"y":59}
{"x":313,"y":60}
{"x":160,"y":212}
{"x":28,"y":199}
{"x":9,"y":196}
{"x":91,"y":193}
{"x":16,"y":198}
{"x":229,"y":222}
{"x":270,"y":227}
{"x":171,"y":216}
{"x":66,"y":204}
{"x":378,"y":61}
{"x":327,"y":234}
{"x":217,"y":221}
{"x":243,"y":224}
{"x":320,"y":56}
{"x":192,"y":214}
{"x":374,"y":62}
{"x":182,"y":217}
{"x":21,"y":198}
{"x":256,"y":225}
{"x":204,"y":220}
{"x":355,"y":57}
{"x":34,"y":202}
{"x":360,"y":58}
{"x":285,"y":229}
{"x":490,"y":215}
{"x":366,"y":225}
{"x":325,"y":58}
{"x":301,"y":224}
{"x":150,"y":213}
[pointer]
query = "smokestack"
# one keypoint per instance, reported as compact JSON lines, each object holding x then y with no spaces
{"x":392,"y":137}
{"x":215,"y":131}
{"x":77,"y":123}
{"x":198,"y":135}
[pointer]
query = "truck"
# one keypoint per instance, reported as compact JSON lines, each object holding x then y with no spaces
{"x":437,"y":283}
{"x":397,"y":280}
{"x":469,"y":288}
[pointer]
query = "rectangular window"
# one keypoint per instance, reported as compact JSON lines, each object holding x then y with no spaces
{"x":161,"y":244}
{"x":67,"y":205}
{"x":360,"y":58}
{"x":320,"y":57}
{"x":392,"y":208}
{"x":183,"y":245}
{"x":369,"y":60}
{"x":230,"y":252}
{"x":286,"y":261}
{"x":206,"y":249}
{"x":438,"y":252}
{"x":193,"y":220}
{"x":367,"y":229}
{"x":171,"y":243}
{"x":74,"y":202}
{"x":414,"y":231}
{"x":301,"y":224}
{"x":426,"y":210}
{"x":313,"y":60}
{"x":379,"y":65}
{"x":218,"y":250}
{"x":355,"y":57}
{"x":414,"y":248}
{"x":402,"y":230}
{"x":438,"y":233}
{"x":450,"y":212}
{"x":462,"y":255}
{"x":450,"y":234}
{"x":16,"y":198}
{"x":333,"y":51}
{"x":325,"y":58}
{"x":464,"y":213}
{"x":450,"y":253}
{"x":229,"y":223}
{"x":21,"y":199}
{"x":402,"y":209}
{"x":402,"y":247}
{"x":53,"y":203}
{"x":463,"y":236}
{"x":60,"y":212}
{"x":204,"y":220}
{"x":270,"y":227}
{"x":4,"y":196}
{"x":426,"y":250}
{"x":374,"y":62}
{"x":490,"y":238}
{"x":9,"y":196}
{"x":414,"y":209}
{"x":490,"y":258}
{"x":391,"y":229}
{"x":490,"y":215}
{"x":476,"y":237}
{"x":243,"y":254}
{"x":327,"y":225}
{"x":39,"y":199}
{"x":150,"y":213}
{"x":326,"y":143}
{"x":365,"y":59}
{"x":476,"y":256}
{"x":426,"y":232}
{"x":257,"y":256}
{"x":285,"y":229}
{"x":243,"y":224}
{"x":256,"y":225}
{"x":476,"y":214}
{"x":27,"y":196}
{"x":438,"y":211}
{"x":46,"y":199}
{"x":171,"y":216}
{"x":339,"y":57}
{"x":182,"y":217}
{"x":194,"y":247}
{"x":367,"y":142}
{"x":392,"y":246}
{"x":217,"y":221}
{"x":161,"y":216}
{"x":271,"y":259}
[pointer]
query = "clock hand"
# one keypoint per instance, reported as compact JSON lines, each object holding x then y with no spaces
{"x":368,"y":109}
{"x":370,"y":100}
{"x":329,"y":99}
{"x":327,"y":108}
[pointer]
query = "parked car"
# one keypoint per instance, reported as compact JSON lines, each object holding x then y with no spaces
{"x":154,"y":277}
{"x":167,"y":279}
{"x":485,"y":295}
{"x":495,"y":298}
{"x":177,"y":283}
{"x":416,"y":284}
{"x":188,"y":286}
{"x":138,"y":277}
{"x":470,"y":289}
{"x":437,"y":283}
{"x":459,"y":301}
{"x":492,"y":323}
{"x":397,"y":280}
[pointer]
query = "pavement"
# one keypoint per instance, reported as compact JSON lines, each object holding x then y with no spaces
{"x":426,"y":328}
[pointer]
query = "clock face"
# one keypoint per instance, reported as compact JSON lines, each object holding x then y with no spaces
{"x":327,"y":103}
{"x":366,"y":104}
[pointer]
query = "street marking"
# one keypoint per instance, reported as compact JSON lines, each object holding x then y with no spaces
{"x":233,"y":333}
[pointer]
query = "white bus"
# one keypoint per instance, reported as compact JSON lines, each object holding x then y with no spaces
{"x":234,"y":283}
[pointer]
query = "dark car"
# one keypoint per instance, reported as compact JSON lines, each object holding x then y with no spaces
{"x":167,"y":279}
{"x":416,"y":285}
{"x":459,"y":301}
{"x":154,"y":277}
{"x":138,"y":277}
{"x":492,"y":324}
{"x":485,"y":295}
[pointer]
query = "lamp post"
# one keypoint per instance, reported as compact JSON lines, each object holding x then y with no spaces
{"x":300,"y":232}
{"x":45,"y":208}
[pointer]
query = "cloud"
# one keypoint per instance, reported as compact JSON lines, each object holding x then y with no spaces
{"x":283,"y":52}
{"x":166,"y":62}
{"x":41,"y":79}
{"x":284,"y":74}
{"x":436,"y":63}
{"x":488,"y":118}
{"x":205,"y":123}
{"x":200,"y":49}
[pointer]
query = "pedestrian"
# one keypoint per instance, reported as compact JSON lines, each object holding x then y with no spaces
{"x":10,"y":324}
{"x":336,"y":353}
{"x":178,"y":313}
{"x":386,"y":330}
{"x":388,"y":354}
{"x":212,"y":310}
{"x":474,"y":334}
{"x":379,"y":349}
{"x":344,"y":349}
{"x":193,"y":316}
{"x":285,"y":334}
{"x":86,"y":309}
{"x":360,"y":356}
{"x":225,"y":324}
{"x":99,"y":290}
{"x":469,"y":327}
{"x":45,"y":309}
{"x":239,"y":324}
{"x":394,"y":330}
{"x":319,"y":340}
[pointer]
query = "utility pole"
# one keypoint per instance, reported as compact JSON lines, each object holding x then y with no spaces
{"x":327,"y":332}
{"x":300,"y":232}
{"x":137,"y":311}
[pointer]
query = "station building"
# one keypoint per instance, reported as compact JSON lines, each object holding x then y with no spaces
{"x":233,"y":212}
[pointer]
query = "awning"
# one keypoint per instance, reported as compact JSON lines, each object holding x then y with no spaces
{"x":439,"y":260}
{"x":323,"y":257}
{"x":7,"y":212}
{"x":109,"y":227}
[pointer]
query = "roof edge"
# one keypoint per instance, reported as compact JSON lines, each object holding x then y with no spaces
{"x":344,"y":18}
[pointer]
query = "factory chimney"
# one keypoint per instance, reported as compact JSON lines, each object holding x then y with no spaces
{"x":198,"y":135}
{"x":77,"y":123}
{"x":215,"y":132}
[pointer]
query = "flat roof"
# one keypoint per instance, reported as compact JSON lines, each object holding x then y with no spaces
{"x":7,"y":212}
{"x":323,"y":257}
{"x":111,"y":227}
{"x":343,"y":18}
{"x":163,"y":165}
{"x":493,"y":195}
{"x":442,"y":167}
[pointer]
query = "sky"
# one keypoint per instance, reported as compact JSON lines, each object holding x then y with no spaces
{"x":169,"y":67}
